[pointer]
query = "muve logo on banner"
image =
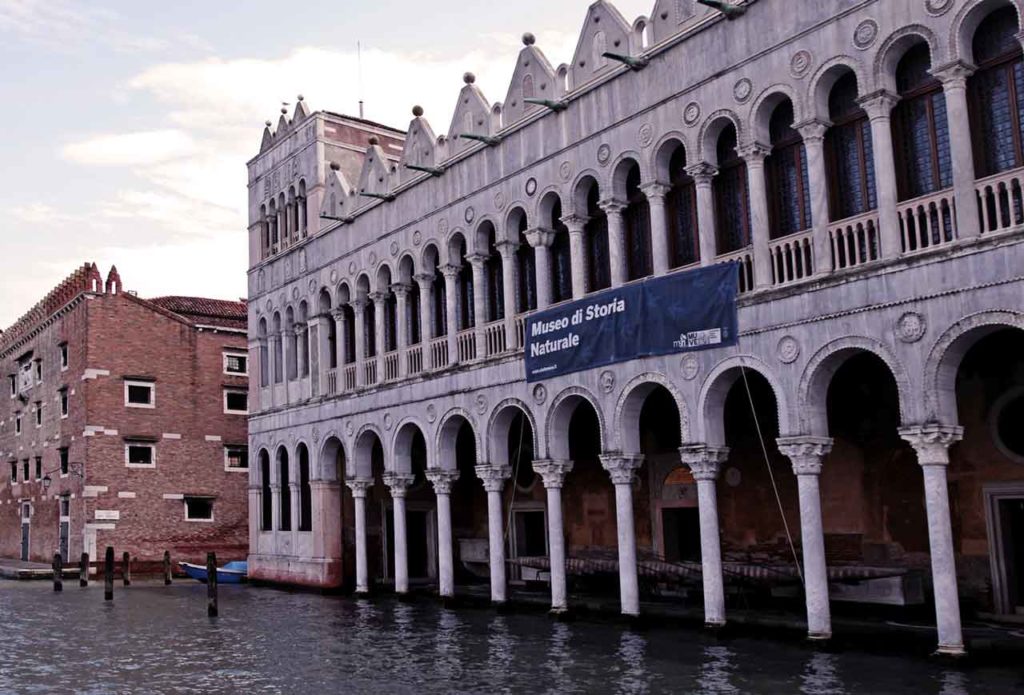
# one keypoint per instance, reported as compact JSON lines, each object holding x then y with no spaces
{"x":694,"y":310}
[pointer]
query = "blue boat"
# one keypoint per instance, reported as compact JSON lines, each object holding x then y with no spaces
{"x":231,"y":573}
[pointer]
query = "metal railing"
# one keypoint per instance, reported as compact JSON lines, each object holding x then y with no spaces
{"x":792,"y":258}
{"x":928,"y":221}
{"x":854,"y":241}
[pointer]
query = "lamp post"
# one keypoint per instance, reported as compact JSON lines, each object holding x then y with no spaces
{"x":76,"y":469}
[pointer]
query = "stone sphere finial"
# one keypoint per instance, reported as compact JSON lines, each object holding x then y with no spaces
{"x":374,"y":140}
{"x":529,"y":39}
{"x":301,"y":98}
{"x":284,"y":110}
{"x":335,"y":166}
{"x":469,"y":78}
{"x":270,"y":123}
{"x":417,"y":111}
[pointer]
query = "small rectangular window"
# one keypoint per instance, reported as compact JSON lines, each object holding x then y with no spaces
{"x":140,"y":454}
{"x":236,"y":401}
{"x":139,"y":394}
{"x":64,"y":460}
{"x":25,"y":471}
{"x":198,"y":509}
{"x":38,"y":371}
{"x":39,"y":414}
{"x":14,"y":471}
{"x":65,"y":506}
{"x":236,"y":364}
{"x":17,"y":423}
{"x":39,"y":468}
{"x":63,"y":347}
{"x":236,"y":458}
{"x":64,"y":402}
{"x":13,"y":379}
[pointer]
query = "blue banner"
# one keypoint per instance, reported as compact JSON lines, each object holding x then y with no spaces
{"x":681,"y":312}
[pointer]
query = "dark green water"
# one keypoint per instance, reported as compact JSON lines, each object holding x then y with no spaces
{"x":158,"y":640}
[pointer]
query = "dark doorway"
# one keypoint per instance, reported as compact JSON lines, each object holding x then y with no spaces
{"x":1011,"y":520}
{"x":531,"y":533}
{"x":418,"y":522}
{"x":682,"y":534}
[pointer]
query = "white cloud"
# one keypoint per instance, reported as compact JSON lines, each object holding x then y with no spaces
{"x":64,"y":25}
{"x":131,"y":149}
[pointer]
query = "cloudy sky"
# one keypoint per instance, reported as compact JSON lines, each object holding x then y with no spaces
{"x":129,"y":122}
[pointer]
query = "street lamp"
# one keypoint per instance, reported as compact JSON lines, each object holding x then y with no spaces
{"x":73,"y":469}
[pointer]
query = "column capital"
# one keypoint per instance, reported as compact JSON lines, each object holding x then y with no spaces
{"x":612,"y":206}
{"x":493,"y":477}
{"x":424,"y":280}
{"x":299,"y":328}
{"x":398,"y":483}
{"x":703,"y":461}
{"x":507,"y":248}
{"x":805,"y":453}
{"x":878,"y":104}
{"x":575,"y":223}
{"x":953,"y":75}
{"x":812,"y":130}
{"x":932,"y":441}
{"x":477,"y":260}
{"x":359,"y":486}
{"x":622,"y":467}
{"x":654,"y":190}
{"x":442,"y":480}
{"x":552,"y":471}
{"x":450,"y":271}
{"x":401,"y":289}
{"x":754,"y":153}
{"x":702,"y":172}
{"x":540,"y":236}
{"x":359,"y":304}
{"x":378,"y":298}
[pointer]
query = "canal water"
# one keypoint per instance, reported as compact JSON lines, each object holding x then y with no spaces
{"x":153,"y":639}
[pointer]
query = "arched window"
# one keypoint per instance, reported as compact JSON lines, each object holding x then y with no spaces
{"x":681,"y":209}
{"x":370,"y":330}
{"x":789,"y":194}
{"x":264,"y":356}
{"x":412,"y":314}
{"x":464,"y":286}
{"x":278,"y":350}
{"x":285,"y":522}
{"x":303,"y":340}
{"x":732,"y":199}
{"x":390,"y":321}
{"x":292,"y":340}
{"x":561,"y":256}
{"x":493,"y":277}
{"x":599,"y":272}
{"x":349,"y":317}
{"x":305,"y":492}
{"x":332,"y":339}
{"x":920,"y":130}
{"x":997,"y":95}
{"x":636,"y":220}
{"x":266,"y":494}
{"x":440,"y":308}
{"x":526,"y":258}
{"x":849,"y":156}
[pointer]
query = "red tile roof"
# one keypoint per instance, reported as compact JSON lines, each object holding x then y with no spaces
{"x":206,"y":312}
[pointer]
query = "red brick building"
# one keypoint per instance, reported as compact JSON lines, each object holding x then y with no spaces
{"x":124,"y":424}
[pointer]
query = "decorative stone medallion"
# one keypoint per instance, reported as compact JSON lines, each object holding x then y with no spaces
{"x":742,"y":90}
{"x":469,"y":215}
{"x":865,"y":34}
{"x":316,"y":435}
{"x":312,"y":286}
{"x":352,"y":268}
{"x":295,"y":293}
{"x":937,"y":8}
{"x":270,"y":305}
{"x":689,"y":367}
{"x":691,"y":114}
{"x":788,"y":350}
{"x":481,"y":403}
{"x":607,"y":381}
{"x":911,"y":327}
{"x":531,"y":186}
{"x":800,"y":64}
{"x":442,"y":226}
{"x":394,"y":248}
{"x":645,"y":136}
{"x":283,"y":299}
{"x":373,"y":258}
{"x":389,"y":421}
{"x":349,"y":429}
{"x":431,"y":413}
{"x":417,"y":238}
{"x":604,"y":154}
{"x":733,"y":477}
{"x":334,"y":276}
{"x":499,"y":200}
{"x":565,"y":170}
{"x":540,"y":394}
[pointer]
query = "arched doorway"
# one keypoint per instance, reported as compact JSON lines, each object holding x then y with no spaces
{"x":421,"y":521}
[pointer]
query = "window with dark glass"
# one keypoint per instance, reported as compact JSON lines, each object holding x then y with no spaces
{"x":266,"y":495}
{"x":466,"y":299}
{"x":732,"y":199}
{"x":997,"y":94}
{"x":595,"y":232}
{"x":390,"y":322}
{"x":527,"y":259}
{"x":198,"y":508}
{"x":561,"y":257}
{"x":370,"y":330}
{"x":920,"y":129}
{"x":14,"y":471}
{"x":349,"y":317}
{"x":494,"y":280}
{"x":64,"y":402}
{"x":64,"y":460}
{"x":285,"y":522}
{"x":789,"y":195}
{"x":236,"y":401}
{"x":305,"y":493}
{"x":236,"y":457}
{"x":636,"y":220}
{"x":440,"y":309}
{"x":681,"y":211}
{"x":849,"y":156}
{"x":39,"y":468}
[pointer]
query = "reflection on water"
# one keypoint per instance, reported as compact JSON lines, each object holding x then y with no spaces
{"x":158,"y":640}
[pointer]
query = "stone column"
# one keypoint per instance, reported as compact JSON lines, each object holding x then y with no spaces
{"x":399,"y":484}
{"x":359,"y":309}
{"x":359,"y":489}
{"x":340,"y":336}
{"x":622,"y":469}
{"x":702,"y":174}
{"x":296,"y":510}
{"x":553,"y":474}
{"x":302,"y":352}
{"x":426,"y":309}
{"x":380,"y":327}
{"x":932,"y":442}
{"x":879,"y":107}
{"x":813,"y":134}
{"x":282,"y":226}
{"x":704,"y":463}
{"x":616,"y":240}
{"x":325,"y":496}
{"x":315,"y":356}
{"x":442,"y":481}
{"x":806,"y":455}
{"x":480,"y":289}
{"x":451,"y":281}
{"x":303,"y":222}
{"x":402,"y":291}
{"x":275,"y":495}
{"x":286,"y":372}
{"x":509,"y":285}
{"x":954,"y":86}
{"x":655,"y":193}
{"x":578,"y":253}
{"x":754,"y":154}
{"x":540,"y":239}
{"x":494,"y":478}
{"x":275,"y":239}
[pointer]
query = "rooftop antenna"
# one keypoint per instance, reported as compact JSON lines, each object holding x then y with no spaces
{"x":359,"y":64}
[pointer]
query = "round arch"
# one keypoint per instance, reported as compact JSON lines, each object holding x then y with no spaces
{"x":630,"y":404}
{"x":332,"y":453}
{"x":716,"y":386}
{"x":826,"y":76}
{"x":448,"y":431}
{"x":896,"y":46}
{"x":516,"y":214}
{"x":362,"y":451}
{"x":619,"y":171}
{"x":764,"y":106}
{"x":966,"y":22}
{"x":712,"y":128}
{"x":581,"y":189}
{"x":662,"y":153}
{"x":498,"y":426}
{"x":401,"y":457}
{"x":560,"y":413}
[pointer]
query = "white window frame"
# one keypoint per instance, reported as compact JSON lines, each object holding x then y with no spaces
{"x":17,"y":424}
{"x":64,"y":356}
{"x":228,"y":411}
{"x":152,"y":394}
{"x":184,"y":504}
{"x":236,"y":353}
{"x":236,"y":469}
{"x":152,"y":450}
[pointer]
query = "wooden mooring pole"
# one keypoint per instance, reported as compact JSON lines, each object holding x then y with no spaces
{"x":167,"y":568}
{"x":211,"y":585}
{"x":83,"y":570}
{"x":126,"y":568}
{"x":108,"y":575}
{"x":58,"y":572}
